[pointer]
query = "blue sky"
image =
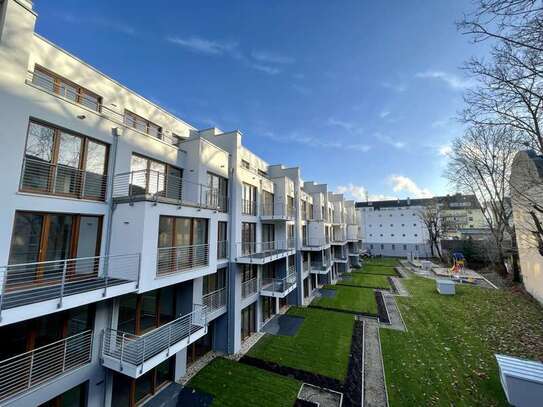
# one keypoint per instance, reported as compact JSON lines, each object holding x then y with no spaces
{"x":366,"y":91}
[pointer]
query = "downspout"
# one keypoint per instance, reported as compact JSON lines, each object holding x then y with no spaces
{"x":232,"y":234}
{"x":115,"y":132}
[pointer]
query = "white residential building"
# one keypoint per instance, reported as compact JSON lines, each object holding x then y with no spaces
{"x":132,"y":242}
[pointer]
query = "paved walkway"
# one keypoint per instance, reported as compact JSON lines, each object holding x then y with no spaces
{"x":374,"y":387}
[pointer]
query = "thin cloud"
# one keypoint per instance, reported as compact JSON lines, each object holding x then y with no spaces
{"x":398,"y":144}
{"x":205,"y":46}
{"x":270,"y":70}
{"x":401,"y":183}
{"x":267,"y":57}
{"x":453,"y":81}
{"x":110,"y":25}
{"x":445,"y":150}
{"x":316,"y":142}
{"x":384,"y":114}
{"x":396,"y":87}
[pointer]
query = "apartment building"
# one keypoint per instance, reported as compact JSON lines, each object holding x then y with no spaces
{"x":395,"y":227}
{"x":134,"y":243}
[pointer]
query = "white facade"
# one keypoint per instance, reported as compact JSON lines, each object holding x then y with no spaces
{"x":129,"y":235}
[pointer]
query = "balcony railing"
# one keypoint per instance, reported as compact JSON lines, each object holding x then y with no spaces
{"x":93,"y":103}
{"x":222,"y":249}
{"x":338,"y":237}
{"x":249,"y":287}
{"x":264,"y":249}
{"x":179,"y":259}
{"x":161,"y":187}
{"x":215,"y":300}
{"x":28,"y":283}
{"x":248,"y":207}
{"x":278,"y":209}
{"x":135,"y":350}
{"x":45,"y":178}
{"x":279,"y":285}
{"x":314,"y":242}
{"x":27,"y":370}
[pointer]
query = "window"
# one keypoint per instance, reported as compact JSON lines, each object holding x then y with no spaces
{"x":222,"y":240}
{"x":391,"y":225}
{"x":403,"y":234}
{"x":217,"y":193}
{"x":371,"y":246}
{"x":405,"y":247}
{"x":267,"y":204}
{"x":371,"y":235}
{"x":382,"y":246}
{"x":416,"y":235}
{"x":40,"y":237}
{"x":59,"y":162}
{"x":262,"y":173}
{"x":393,"y":247}
{"x":245,"y":164}
{"x":381,"y":235}
{"x":248,"y":238}
{"x":392,"y":234}
{"x":53,"y":83}
{"x":403,"y":224}
{"x":150,"y":176}
{"x":470,"y":219}
{"x":414,"y":224}
{"x":214,"y":282}
{"x":248,"y":200}
{"x":182,"y":244}
{"x":176,"y":140}
{"x":380,"y":225}
{"x":141,"y":124}
{"x":417,"y":247}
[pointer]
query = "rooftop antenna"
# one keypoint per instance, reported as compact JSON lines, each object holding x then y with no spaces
{"x":367,"y":196}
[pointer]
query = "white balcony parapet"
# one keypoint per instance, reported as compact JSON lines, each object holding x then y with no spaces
{"x":134,"y":355}
{"x":318,"y":267}
{"x":215,"y":301}
{"x":277,"y":210}
{"x":249,"y":287}
{"x":179,"y":259}
{"x":23,"y":372}
{"x":314,"y":243}
{"x":30,"y":283}
{"x":41,"y":177}
{"x":264,"y":252}
{"x":160,"y":187}
{"x":279,"y":287}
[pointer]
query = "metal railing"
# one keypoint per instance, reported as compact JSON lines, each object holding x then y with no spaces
{"x":93,"y":103}
{"x":262,"y":249}
{"x":29,"y":283}
{"x":338,"y":237}
{"x":249,"y":287}
{"x":27,"y":370}
{"x":158,"y":186}
{"x":215,"y":300}
{"x":222,"y":249}
{"x":56,"y":179}
{"x":278,"y":208}
{"x":248,"y":207}
{"x":314,"y":241}
{"x":279,"y":285}
{"x":291,"y":243}
{"x":135,"y":350}
{"x":178,"y":259}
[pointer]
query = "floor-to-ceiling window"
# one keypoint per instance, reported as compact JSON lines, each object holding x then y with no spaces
{"x":217,"y":194}
{"x":222,"y":240}
{"x":248,"y":199}
{"x":248,"y":321}
{"x":268,"y":236}
{"x":248,"y":238}
{"x":150,"y":176}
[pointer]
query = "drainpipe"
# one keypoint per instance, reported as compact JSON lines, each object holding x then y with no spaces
{"x":115,"y":131}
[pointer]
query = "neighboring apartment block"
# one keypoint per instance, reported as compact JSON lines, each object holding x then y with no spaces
{"x":395,"y":227}
{"x":132,"y":242}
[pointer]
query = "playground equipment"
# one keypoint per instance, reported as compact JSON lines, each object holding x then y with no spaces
{"x":458,"y":263}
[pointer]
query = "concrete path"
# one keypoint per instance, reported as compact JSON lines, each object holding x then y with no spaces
{"x":394,"y":315}
{"x":374,"y":387}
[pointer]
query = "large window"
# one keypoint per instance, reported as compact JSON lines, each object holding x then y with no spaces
{"x":182,"y":243}
{"x":248,"y":238}
{"x":46,"y":237}
{"x":217,"y":194}
{"x":248,"y":200}
{"x":267,"y":205}
{"x":63,"y":163}
{"x":150,"y":176}
{"x":54,"y":83}
{"x":141,"y":124}
{"x":222,"y":240}
{"x":214,"y":282}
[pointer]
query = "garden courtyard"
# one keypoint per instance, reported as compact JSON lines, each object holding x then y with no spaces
{"x":445,"y":357}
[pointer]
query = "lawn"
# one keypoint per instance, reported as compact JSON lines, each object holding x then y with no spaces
{"x":382,"y":261}
{"x":366,"y":280}
{"x":355,"y":299}
{"x":235,"y":384}
{"x":447,"y":356}
{"x":322,"y":345}
{"x":380,"y":270}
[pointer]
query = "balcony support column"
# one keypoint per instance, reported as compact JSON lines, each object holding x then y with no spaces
{"x":180,"y":368}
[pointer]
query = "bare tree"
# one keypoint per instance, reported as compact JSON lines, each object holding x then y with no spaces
{"x":435,"y":224}
{"x":480,"y":164}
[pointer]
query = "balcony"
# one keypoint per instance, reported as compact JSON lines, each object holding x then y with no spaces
{"x":279,"y":287}
{"x":134,"y":355}
{"x":249,"y":288}
{"x":352,"y":233}
{"x":181,"y":259}
{"x":339,"y":238}
{"x":315,"y":243}
{"x":222,"y":250}
{"x":215,"y":303}
{"x":23,"y":372}
{"x":318,"y":267}
{"x":264,"y":252}
{"x":156,"y":186}
{"x":340,"y":258}
{"x":305,"y":269}
{"x":48,"y":286}
{"x":41,"y":177}
{"x":278,"y":211}
{"x":248,"y":207}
